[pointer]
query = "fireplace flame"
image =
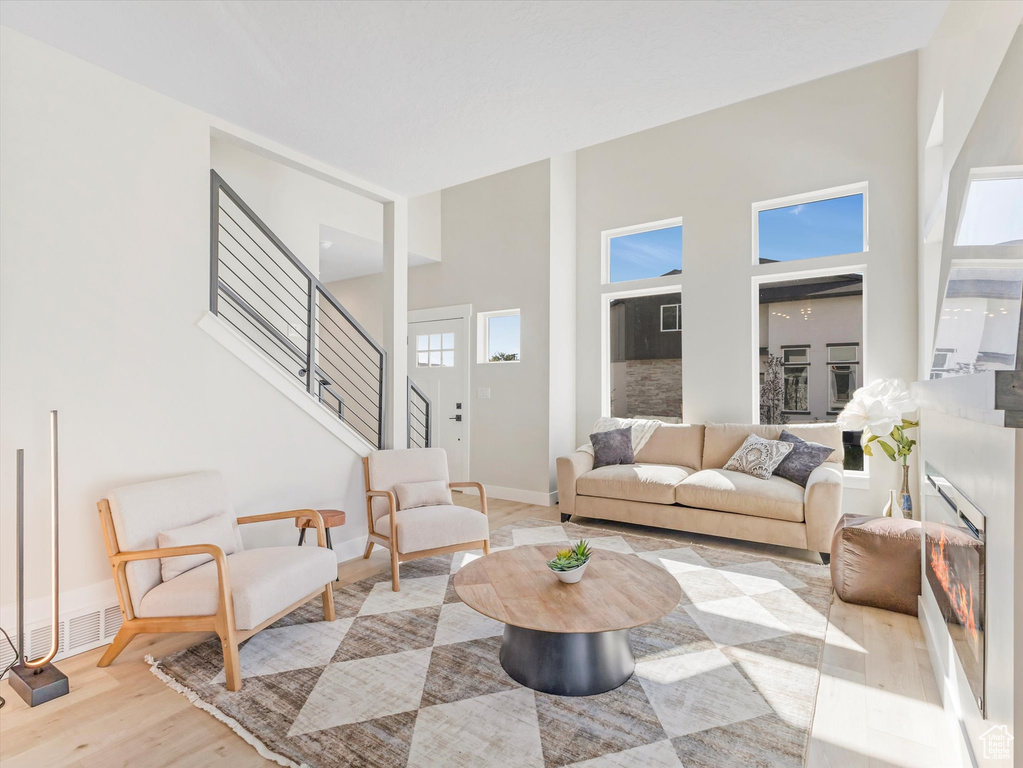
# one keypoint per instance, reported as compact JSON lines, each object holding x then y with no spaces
{"x":960,"y":597}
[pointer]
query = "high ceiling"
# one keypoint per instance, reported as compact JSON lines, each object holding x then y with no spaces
{"x":417,"y":96}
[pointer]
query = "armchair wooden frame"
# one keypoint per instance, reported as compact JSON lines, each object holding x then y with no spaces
{"x":223,"y":621}
{"x":390,"y":542}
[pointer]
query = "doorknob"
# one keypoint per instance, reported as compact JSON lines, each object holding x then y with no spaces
{"x":455,"y":418}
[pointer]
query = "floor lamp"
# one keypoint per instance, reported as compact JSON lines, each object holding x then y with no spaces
{"x":38,"y":682}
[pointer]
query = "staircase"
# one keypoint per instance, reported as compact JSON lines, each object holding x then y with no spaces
{"x":268,"y":296}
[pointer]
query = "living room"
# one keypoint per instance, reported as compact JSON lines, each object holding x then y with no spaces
{"x":713,"y":308}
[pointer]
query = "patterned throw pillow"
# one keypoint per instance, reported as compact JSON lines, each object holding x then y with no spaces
{"x":803,"y":459}
{"x":612,"y":447}
{"x":759,"y":457}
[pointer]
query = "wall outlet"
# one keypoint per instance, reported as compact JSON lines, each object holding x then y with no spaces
{"x":483,"y":393}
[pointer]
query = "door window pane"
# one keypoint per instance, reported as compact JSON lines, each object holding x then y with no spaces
{"x":641,"y":255}
{"x":435,"y":349}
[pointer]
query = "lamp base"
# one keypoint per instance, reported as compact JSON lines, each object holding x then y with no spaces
{"x":38,"y":686}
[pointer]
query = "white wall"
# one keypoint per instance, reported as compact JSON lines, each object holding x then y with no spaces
{"x":956,"y":69}
{"x":562,"y":405}
{"x":104,"y":204}
{"x":851,"y":127}
{"x":294,"y":204}
{"x":496,"y":255}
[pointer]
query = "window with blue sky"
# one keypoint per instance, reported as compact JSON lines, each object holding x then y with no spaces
{"x":641,"y":255}
{"x":809,"y":230}
{"x":503,"y":338}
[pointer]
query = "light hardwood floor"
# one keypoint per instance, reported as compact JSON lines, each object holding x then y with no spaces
{"x":877,"y":704}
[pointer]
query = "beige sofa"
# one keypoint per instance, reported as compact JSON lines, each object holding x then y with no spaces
{"x":678,"y":482}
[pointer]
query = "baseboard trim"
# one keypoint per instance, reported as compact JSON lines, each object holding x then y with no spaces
{"x":538,"y":498}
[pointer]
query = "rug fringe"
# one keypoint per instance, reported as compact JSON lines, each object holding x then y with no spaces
{"x":230,"y":722}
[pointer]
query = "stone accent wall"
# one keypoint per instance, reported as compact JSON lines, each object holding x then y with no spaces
{"x":654,"y":387}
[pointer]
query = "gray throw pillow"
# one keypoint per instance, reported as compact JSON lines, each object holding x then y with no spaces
{"x":758,"y":457}
{"x":803,"y":459}
{"x":612,"y":447}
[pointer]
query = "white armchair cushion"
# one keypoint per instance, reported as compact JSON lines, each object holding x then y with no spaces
{"x":430,"y":527}
{"x":403,"y":465}
{"x":429,"y":493}
{"x":141,"y":511}
{"x":263,"y":582}
{"x":216,"y":530}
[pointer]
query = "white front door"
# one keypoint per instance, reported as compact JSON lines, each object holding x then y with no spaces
{"x":437,"y":365}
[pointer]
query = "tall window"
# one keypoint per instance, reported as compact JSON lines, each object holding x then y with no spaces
{"x":810,"y":337}
{"x":797,"y":379}
{"x":843,"y":375}
{"x":827,"y":223}
{"x":646,"y":356}
{"x":639,"y":253}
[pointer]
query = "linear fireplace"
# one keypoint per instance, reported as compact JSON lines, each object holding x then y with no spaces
{"x":954,"y":565}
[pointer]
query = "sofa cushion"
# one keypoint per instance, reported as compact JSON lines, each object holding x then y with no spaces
{"x":804,"y":458}
{"x":263,"y":582}
{"x":678,"y":444}
{"x":443,"y":525}
{"x":652,"y":483}
{"x":728,"y":491}
{"x":613,"y":446}
{"x":722,"y":440}
{"x":758,"y":457}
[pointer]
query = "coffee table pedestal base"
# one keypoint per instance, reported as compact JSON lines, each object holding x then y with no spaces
{"x":567,"y":664}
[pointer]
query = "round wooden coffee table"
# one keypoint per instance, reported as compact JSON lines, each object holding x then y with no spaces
{"x":567,"y":639}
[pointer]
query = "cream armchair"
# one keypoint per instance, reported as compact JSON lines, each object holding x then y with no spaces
{"x":226,"y":589}
{"x":420,"y":531}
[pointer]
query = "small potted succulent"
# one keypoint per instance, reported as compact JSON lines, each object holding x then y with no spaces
{"x":570,"y":564}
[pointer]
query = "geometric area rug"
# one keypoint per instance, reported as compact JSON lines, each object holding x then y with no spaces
{"x":728,"y":678}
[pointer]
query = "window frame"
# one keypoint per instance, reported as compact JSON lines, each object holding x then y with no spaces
{"x":430,"y":350}
{"x":834,"y":410}
{"x":678,"y":318}
{"x":483,"y":335}
{"x":851,"y":478}
{"x":841,"y":345}
{"x":608,"y":235}
{"x":847,"y":190}
{"x":990,"y":173}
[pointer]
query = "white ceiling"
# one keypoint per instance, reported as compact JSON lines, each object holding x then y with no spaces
{"x":351,"y":255}
{"x":417,"y":96}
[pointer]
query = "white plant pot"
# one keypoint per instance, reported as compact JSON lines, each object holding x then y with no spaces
{"x":573,"y":576}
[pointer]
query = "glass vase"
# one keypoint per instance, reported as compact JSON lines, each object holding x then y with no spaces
{"x":905,"y":500}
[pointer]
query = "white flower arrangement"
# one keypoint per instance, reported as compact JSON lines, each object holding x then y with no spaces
{"x":879,"y":410}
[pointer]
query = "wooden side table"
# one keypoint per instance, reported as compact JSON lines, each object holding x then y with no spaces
{"x":332,"y":518}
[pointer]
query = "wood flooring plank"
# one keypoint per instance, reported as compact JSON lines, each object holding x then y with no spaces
{"x":874,"y":672}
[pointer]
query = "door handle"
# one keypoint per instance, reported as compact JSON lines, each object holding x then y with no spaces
{"x":455,"y":418}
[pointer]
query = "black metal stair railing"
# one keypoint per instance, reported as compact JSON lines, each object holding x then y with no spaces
{"x":419,"y":417}
{"x":260,"y":288}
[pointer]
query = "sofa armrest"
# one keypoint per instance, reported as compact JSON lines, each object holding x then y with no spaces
{"x":822,"y":505}
{"x":569,"y":470}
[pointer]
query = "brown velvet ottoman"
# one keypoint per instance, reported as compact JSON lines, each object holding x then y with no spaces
{"x":875,"y":561}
